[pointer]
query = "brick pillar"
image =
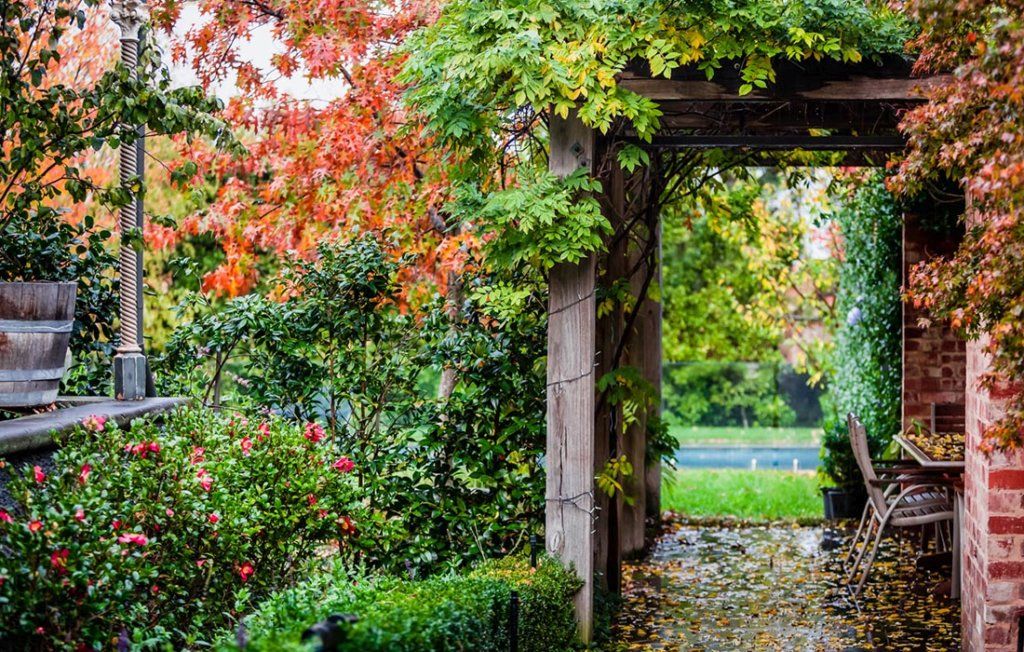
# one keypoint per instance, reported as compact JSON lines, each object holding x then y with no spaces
{"x":993,"y":533}
{"x":934,"y":358}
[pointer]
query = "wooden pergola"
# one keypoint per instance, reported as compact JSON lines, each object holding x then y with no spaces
{"x":812,"y":106}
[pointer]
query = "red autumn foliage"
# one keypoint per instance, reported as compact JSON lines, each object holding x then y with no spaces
{"x":315,"y":169}
{"x":972,"y":131}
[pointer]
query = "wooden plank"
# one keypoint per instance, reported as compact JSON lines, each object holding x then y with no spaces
{"x":854,"y":88}
{"x":570,"y":394}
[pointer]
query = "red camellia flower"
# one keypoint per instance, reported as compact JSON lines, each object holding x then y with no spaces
{"x":80,"y":514}
{"x":115,"y":524}
{"x":346,"y":525}
{"x":344,"y":464}
{"x":35,"y":526}
{"x":5,"y":517}
{"x":37,"y":473}
{"x":59,"y":560}
{"x":213,"y":518}
{"x":94,"y":423}
{"x":246,"y":445}
{"x":154,"y":447}
{"x":198,"y":455}
{"x":83,"y":474}
{"x":264,"y":431}
{"x":133,"y":537}
{"x":245,"y":571}
{"x":311,"y":499}
{"x":314,"y":432}
{"x":205,"y":480}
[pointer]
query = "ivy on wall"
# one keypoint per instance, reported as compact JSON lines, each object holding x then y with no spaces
{"x":867,"y":361}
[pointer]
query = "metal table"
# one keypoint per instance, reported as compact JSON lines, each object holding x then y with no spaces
{"x":955,"y":469}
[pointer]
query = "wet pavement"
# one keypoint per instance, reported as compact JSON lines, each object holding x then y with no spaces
{"x":777,"y":588}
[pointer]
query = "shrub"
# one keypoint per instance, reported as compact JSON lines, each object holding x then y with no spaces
{"x":468,"y":612}
{"x":450,"y":479}
{"x":164,"y":532}
{"x":867,"y":359}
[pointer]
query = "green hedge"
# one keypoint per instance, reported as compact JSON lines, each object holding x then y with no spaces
{"x":867,"y":359}
{"x":467,"y":612}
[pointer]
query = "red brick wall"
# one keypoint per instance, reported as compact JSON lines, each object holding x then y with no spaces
{"x":993,"y":533}
{"x":934,"y":358}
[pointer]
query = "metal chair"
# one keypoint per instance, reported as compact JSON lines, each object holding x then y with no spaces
{"x":898,"y":497}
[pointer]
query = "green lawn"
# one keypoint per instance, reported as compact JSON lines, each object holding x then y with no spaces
{"x":739,"y":436}
{"x":747,"y":495}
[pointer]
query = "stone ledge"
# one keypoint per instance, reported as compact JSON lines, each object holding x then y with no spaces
{"x":36,"y":432}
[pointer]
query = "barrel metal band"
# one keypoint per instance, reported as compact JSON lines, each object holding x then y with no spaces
{"x":23,"y":375}
{"x":37,"y":326}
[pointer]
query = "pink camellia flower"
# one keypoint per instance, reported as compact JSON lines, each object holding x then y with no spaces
{"x":5,"y":517}
{"x":200,"y":562}
{"x":94,"y":423}
{"x":246,"y":445}
{"x":314,"y":432}
{"x":245,"y":571}
{"x":213,"y":518}
{"x":170,"y":512}
{"x":154,"y":447}
{"x":83,"y":474}
{"x":198,"y":455}
{"x":80,"y":514}
{"x":37,"y":473}
{"x":205,"y":480}
{"x":133,"y":537}
{"x":344,"y":464}
{"x":35,"y":526}
{"x":264,"y":431}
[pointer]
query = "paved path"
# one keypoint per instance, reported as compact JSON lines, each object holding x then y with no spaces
{"x":774,"y":588}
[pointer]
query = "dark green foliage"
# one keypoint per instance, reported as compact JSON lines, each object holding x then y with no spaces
{"x":867,"y":360}
{"x":715,"y":393}
{"x":450,"y":479}
{"x":467,"y":612}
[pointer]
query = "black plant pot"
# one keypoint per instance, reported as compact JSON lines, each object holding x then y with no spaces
{"x":843,"y":502}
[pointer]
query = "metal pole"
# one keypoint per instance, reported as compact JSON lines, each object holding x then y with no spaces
{"x":513,"y":622}
{"x":130,"y":368}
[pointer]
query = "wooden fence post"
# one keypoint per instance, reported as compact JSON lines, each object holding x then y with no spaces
{"x":570,"y":391}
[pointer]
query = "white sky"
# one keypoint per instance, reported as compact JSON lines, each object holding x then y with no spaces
{"x":258,"y":48}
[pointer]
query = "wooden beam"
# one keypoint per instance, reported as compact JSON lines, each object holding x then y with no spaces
{"x":570,"y":395}
{"x":855,"y":88}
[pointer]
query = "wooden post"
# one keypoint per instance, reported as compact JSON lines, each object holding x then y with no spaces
{"x":649,"y":361}
{"x":643,"y":353}
{"x":608,"y":418}
{"x":570,"y":393}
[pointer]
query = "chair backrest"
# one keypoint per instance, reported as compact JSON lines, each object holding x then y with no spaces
{"x":862,"y":453}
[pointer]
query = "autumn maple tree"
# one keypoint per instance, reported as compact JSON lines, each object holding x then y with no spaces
{"x":315,"y":169}
{"x":972,"y":132}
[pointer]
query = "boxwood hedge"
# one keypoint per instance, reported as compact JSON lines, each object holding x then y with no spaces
{"x":463,"y":612}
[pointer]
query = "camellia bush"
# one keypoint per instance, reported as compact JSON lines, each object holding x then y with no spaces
{"x":867,"y":360}
{"x":159,"y":533}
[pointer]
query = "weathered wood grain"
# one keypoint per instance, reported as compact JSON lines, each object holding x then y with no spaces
{"x":570,"y":393}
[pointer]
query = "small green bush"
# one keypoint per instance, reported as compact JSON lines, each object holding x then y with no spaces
{"x":166,"y":531}
{"x":463,"y":612}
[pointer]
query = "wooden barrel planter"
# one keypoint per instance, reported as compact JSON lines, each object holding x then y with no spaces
{"x":35,"y":328}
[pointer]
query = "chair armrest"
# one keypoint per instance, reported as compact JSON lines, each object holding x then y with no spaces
{"x":931,"y":482}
